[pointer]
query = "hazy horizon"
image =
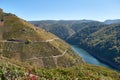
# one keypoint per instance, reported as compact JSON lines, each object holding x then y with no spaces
{"x":71,"y":20}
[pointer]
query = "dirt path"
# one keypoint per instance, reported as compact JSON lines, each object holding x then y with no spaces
{"x":61,"y":54}
{"x":50,"y":40}
{"x":15,"y":41}
{"x":55,"y":58}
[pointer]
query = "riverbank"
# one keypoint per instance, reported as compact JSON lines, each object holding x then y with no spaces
{"x":107,"y":64}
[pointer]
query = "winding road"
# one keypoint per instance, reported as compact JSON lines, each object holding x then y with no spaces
{"x":55,"y":58}
{"x":20,"y":41}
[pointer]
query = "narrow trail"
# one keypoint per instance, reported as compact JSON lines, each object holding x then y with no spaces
{"x":55,"y":58}
{"x":20,"y":41}
{"x":50,"y":40}
{"x":10,"y":41}
{"x":61,"y":54}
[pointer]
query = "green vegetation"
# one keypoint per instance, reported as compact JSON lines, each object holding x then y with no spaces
{"x":81,"y":72}
{"x":64,"y":29}
{"x":81,"y":35}
{"x":59,"y":28}
{"x":17,"y":70}
{"x":101,"y":41}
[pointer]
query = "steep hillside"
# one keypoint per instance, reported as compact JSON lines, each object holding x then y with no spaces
{"x":60,"y":28}
{"x":81,"y":35}
{"x":24,"y":42}
{"x":62,"y":31}
{"x":64,"y":28}
{"x":102,"y":42}
{"x":11,"y":69}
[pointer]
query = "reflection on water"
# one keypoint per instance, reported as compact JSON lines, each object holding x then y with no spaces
{"x":87,"y":57}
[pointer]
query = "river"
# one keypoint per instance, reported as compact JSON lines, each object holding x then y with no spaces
{"x":87,"y":57}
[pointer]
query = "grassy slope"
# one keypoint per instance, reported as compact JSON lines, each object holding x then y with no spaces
{"x":64,"y":29}
{"x":18,"y":29}
{"x":80,"y":72}
{"x":60,"y":28}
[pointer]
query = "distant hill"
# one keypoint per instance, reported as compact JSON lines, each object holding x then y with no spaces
{"x":112,"y":21}
{"x":59,"y":28}
{"x":64,"y":28}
